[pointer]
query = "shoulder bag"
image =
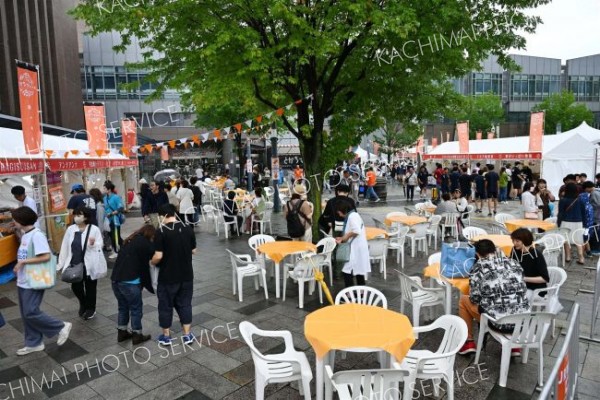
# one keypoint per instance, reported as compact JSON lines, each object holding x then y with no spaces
{"x":73,"y":273}
{"x":41,"y":275}
{"x":342,"y":251}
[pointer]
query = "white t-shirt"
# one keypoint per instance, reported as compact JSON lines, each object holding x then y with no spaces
{"x":40,"y":246}
{"x":186,"y":203}
{"x":359,"y":255}
{"x":29,"y":202}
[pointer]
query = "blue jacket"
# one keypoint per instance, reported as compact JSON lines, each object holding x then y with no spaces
{"x":571,"y":210}
{"x":112,"y":203}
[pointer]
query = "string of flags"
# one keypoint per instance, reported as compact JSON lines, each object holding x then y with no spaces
{"x":255,"y":124}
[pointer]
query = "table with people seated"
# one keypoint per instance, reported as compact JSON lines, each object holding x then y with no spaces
{"x":408,"y":220}
{"x":503,"y":242}
{"x":514,"y":224}
{"x":278,"y":251}
{"x":358,"y":328}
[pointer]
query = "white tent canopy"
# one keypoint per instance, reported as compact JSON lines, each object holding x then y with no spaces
{"x":362,"y":153}
{"x":569,"y":152}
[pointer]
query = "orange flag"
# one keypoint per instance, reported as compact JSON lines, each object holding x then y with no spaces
{"x":196,"y":139}
{"x":75,"y":152}
{"x":148,"y":148}
{"x":259,"y":118}
{"x":217,"y":134}
{"x":49,"y":153}
{"x":536,"y":131}
{"x":462,"y":128}
{"x":238,"y":128}
{"x":279,"y":112}
{"x":128,"y":134}
{"x":171,"y":144}
{"x":95,"y":125}
{"x":66,"y":154}
{"x":164,"y":154}
{"x":100,"y":152}
{"x":27,"y":77}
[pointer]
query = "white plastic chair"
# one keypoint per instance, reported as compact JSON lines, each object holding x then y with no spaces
{"x":265,"y":219}
{"x":435,"y":258}
{"x":434,"y":229}
{"x":426,"y":364}
{"x":361,"y":295}
{"x":465,"y":217}
{"x":289,"y":366}
{"x":530,"y":331}
{"x":257,"y":240}
{"x":380,"y":225}
{"x":553,"y":248}
{"x":243,"y":266}
{"x":498,"y":228}
{"x":450,"y":221}
{"x":220,"y":215}
{"x":268,"y":193}
{"x":414,"y":293}
{"x":470,"y":232}
{"x":550,"y":302}
{"x":552,"y":220}
{"x":210,"y":212}
{"x":381,"y":384}
{"x":503,"y":217}
{"x":418,"y":234}
{"x":328,"y":244}
{"x":378,"y":252}
{"x":304,"y":271}
{"x":396,"y":242}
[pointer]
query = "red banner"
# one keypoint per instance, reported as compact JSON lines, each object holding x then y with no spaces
{"x":536,"y":131}
{"x":30,"y":109}
{"x":492,"y":156}
{"x":490,"y":135}
{"x":129,"y":136}
{"x":562,"y":390}
{"x":434,"y":142}
{"x":76,"y":164}
{"x":95,"y":125}
{"x":462,"y":129}
{"x":16,"y":166}
{"x":478,"y":135}
{"x":164,"y":153}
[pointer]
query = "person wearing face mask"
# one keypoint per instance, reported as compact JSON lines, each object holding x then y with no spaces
{"x":36,"y":324}
{"x":82,"y":243}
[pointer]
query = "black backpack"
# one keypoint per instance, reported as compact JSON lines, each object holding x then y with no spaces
{"x":295,"y":227}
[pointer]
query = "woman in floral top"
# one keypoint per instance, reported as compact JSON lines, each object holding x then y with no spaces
{"x":588,"y":216}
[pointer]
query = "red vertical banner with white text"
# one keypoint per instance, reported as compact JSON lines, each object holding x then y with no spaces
{"x":29,"y":103}
{"x":129,"y":136}
{"x":95,"y":125}
{"x":536,"y":131}
{"x":164,"y":153}
{"x":462,"y":130}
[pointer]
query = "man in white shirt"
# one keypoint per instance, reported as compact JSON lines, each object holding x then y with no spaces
{"x":25,"y":201}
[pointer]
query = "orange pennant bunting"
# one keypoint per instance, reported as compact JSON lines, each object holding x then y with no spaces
{"x":171,"y":144}
{"x":217,"y":134}
{"x":100,"y":152}
{"x":49,"y":153}
{"x":148,"y":147}
{"x":74,"y":152}
{"x":259,"y":119}
{"x":196,"y":139}
{"x":238,"y":128}
{"x":66,"y":154}
{"x":185,"y":144}
{"x":279,"y":112}
{"x":298,"y":102}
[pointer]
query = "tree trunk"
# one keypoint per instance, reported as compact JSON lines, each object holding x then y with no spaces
{"x":313,"y":171}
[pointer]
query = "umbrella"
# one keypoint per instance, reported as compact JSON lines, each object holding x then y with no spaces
{"x":319,"y":277}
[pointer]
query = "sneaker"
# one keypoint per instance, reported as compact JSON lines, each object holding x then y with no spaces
{"x":81,"y":310}
{"x":515,"y":352}
{"x":112,"y":256}
{"x":63,"y":335}
{"x":165,"y":340}
{"x":27,"y":350}
{"x":378,"y":200}
{"x":189,"y":338}
{"x":468,"y":347}
{"x":89,"y":314}
{"x":489,"y":214}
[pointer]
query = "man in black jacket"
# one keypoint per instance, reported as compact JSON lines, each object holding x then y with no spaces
{"x":329,"y":217}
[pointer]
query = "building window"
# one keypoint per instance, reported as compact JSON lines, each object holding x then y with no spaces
{"x":486,"y":83}
{"x":585,"y":88}
{"x":533,"y":87}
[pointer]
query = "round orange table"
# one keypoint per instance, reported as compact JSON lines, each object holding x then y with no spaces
{"x":430,"y":209}
{"x":409,"y":220}
{"x":514,"y":224}
{"x":433,"y":271}
{"x":502,"y":241}
{"x":356,"y":326}
{"x":277,"y":251}
{"x":373,"y":232}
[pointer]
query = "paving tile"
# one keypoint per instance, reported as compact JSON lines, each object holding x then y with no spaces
{"x":193,"y":395}
{"x":241,"y":375}
{"x":68,"y":293}
{"x":75,"y":379}
{"x":174,"y":370}
{"x":205,"y":298}
{"x":500,"y":393}
{"x":209,"y":383}
{"x":68,"y":351}
{"x":256,"y":307}
{"x":12,"y":374}
{"x":115,"y":386}
{"x":214,"y":360}
{"x":171,"y":390}
{"x":82,"y":392}
{"x":5,"y":302}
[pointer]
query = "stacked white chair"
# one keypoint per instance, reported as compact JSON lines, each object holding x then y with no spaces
{"x":426,"y":364}
{"x":471,"y":232}
{"x":530,"y":331}
{"x":415,"y":293}
{"x":289,"y":366}
{"x":418,"y":235}
{"x":396,"y":242}
{"x":378,"y":248}
{"x":368,"y":384}
{"x":242,"y":266}
{"x":328,"y":244}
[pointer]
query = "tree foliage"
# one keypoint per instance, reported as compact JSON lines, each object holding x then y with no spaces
{"x":357,"y":58}
{"x":561,"y":108}
{"x":482,"y":112}
{"x":394,"y":136}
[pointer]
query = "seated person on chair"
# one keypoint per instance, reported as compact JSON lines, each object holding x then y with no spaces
{"x":446,"y":206}
{"x":496,"y":287}
{"x":257,"y":208}
{"x":230,"y":209}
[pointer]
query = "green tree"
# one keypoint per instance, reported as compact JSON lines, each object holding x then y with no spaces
{"x":353,"y":57}
{"x":561,"y":108}
{"x":482,"y":112}
{"x":393,"y":136}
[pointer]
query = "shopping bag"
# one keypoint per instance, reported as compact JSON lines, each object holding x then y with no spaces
{"x":342,"y":252}
{"x":457,"y":260}
{"x":41,"y":275}
{"x":73,"y":273}
{"x":153,"y":276}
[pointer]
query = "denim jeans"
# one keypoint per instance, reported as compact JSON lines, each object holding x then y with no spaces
{"x":371,"y":193}
{"x":176,"y":296}
{"x":36,"y":324}
{"x":503,"y":192}
{"x":129,"y":298}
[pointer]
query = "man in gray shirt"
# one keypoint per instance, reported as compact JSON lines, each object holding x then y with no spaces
{"x":446,"y":206}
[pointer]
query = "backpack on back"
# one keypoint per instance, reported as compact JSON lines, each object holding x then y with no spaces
{"x":295,"y":226}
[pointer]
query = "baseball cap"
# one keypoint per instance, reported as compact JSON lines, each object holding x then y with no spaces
{"x":77,"y":186}
{"x":142,"y":181}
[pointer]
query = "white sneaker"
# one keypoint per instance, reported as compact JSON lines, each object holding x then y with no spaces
{"x":113,"y":255}
{"x":27,"y":350}
{"x":63,"y":335}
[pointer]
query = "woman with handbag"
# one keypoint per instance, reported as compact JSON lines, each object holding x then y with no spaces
{"x":529,"y":202}
{"x":130,"y":275}
{"x":571,"y":213}
{"x":114,"y":211}
{"x":354,"y":242}
{"x":82,"y":261}
{"x":34,"y":250}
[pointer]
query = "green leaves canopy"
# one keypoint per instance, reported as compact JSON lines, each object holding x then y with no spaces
{"x":561,"y":107}
{"x":482,"y":112}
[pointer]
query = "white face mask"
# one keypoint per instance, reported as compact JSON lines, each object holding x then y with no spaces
{"x":79,"y":219}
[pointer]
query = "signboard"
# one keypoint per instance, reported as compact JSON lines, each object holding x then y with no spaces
{"x":462,"y":130}
{"x":562,"y":390}
{"x":95,"y":125}
{"x":290,"y":161}
{"x":536,"y":131}
{"x":248,"y":166}
{"x":497,"y":156}
{"x":16,"y":166}
{"x":76,"y":164}
{"x":275,"y":168}
{"x":29,"y":106}
{"x":57,"y":199}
